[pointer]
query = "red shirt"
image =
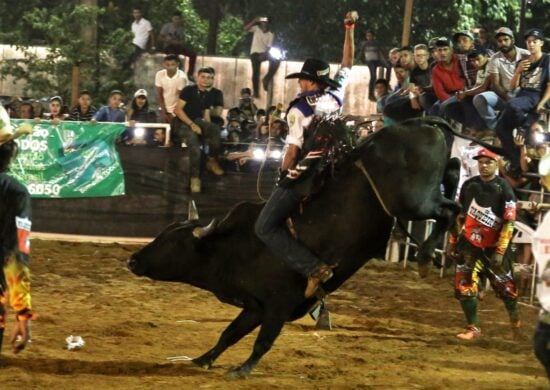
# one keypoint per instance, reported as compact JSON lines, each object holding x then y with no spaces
{"x":446,"y":82}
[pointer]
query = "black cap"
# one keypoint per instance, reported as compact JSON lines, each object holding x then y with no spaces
{"x":534,"y":32}
{"x":443,"y":42}
{"x":477,"y":52}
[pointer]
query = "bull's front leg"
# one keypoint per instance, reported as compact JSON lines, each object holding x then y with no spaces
{"x":269,"y":331}
{"x":426,"y":253}
{"x":245,"y":323}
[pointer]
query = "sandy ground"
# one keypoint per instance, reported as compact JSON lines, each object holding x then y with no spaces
{"x":391,"y":331}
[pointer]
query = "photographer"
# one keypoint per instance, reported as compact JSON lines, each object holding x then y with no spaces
{"x":262,"y":40}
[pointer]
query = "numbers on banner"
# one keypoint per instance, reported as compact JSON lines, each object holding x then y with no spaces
{"x":47,"y":189}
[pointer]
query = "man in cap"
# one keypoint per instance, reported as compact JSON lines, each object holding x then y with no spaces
{"x":464,"y":45}
{"x":15,"y":225}
{"x":501,"y":68}
{"x":460,"y":107}
{"x":532,"y":76}
{"x":446,"y":75}
{"x":480,"y":243}
{"x":320,"y":97}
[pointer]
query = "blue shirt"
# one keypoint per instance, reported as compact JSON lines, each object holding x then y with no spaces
{"x":108,"y":114}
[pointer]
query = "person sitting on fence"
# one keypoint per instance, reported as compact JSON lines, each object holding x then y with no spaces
{"x":196,"y":109}
{"x":262,"y":41}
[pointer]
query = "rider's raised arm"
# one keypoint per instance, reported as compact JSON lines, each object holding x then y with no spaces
{"x":349,"y":45}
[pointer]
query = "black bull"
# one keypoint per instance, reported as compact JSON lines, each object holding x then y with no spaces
{"x":398,"y":170}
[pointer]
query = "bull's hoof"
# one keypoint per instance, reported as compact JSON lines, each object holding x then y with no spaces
{"x":423,"y":269}
{"x":202,"y":362}
{"x":237,"y":373}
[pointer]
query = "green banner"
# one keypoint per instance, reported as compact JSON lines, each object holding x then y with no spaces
{"x":70,"y":160}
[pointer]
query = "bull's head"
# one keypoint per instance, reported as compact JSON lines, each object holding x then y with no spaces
{"x":175,"y":254}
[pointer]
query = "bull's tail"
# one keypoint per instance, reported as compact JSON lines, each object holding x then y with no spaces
{"x":445,"y":126}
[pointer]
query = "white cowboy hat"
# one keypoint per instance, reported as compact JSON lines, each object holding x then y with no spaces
{"x":6,"y":129}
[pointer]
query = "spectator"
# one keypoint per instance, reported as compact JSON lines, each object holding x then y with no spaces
{"x":399,"y":105}
{"x":143,"y":34}
{"x":57,"y":111}
{"x":169,"y":82}
{"x":532,"y":75}
{"x":26,"y":111}
{"x":196,"y":107}
{"x":246,"y":104}
{"x":501,"y":68}
{"x":172,"y":36}
{"x":406,"y":58}
{"x":371,"y":55}
{"x":421,"y":78}
{"x":460,"y":107}
{"x":464,"y":41}
{"x":483,"y":41}
{"x":262,"y":41}
{"x":84,"y":111}
{"x":393,"y":56}
{"x":446,"y":76}
{"x":381,"y":92}
{"x":111,"y":112}
{"x":480,"y":243}
{"x":139,"y":110}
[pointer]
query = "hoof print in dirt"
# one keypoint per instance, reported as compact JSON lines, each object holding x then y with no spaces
{"x":237,"y":373}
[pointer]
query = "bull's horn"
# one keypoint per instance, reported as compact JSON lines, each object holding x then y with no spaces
{"x":192,"y":213}
{"x":200,"y":232}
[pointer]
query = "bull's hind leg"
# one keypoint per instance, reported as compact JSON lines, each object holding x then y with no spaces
{"x":245,"y":323}
{"x":269,"y":331}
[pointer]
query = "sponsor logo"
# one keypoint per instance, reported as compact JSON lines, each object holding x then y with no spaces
{"x":484,"y":215}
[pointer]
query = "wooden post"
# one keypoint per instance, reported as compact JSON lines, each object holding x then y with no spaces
{"x":75,"y":85}
{"x":407,"y":23}
{"x":88,"y":33}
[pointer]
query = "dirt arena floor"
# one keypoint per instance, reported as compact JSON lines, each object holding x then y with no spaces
{"x":391,"y":331}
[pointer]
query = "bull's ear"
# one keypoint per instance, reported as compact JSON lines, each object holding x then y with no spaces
{"x":192,"y":213}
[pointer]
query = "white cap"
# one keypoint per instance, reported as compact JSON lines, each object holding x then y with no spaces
{"x":140,"y":92}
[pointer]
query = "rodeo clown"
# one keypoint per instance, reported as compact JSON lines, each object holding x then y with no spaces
{"x":320,"y":97}
{"x":15,"y":226}
{"x":481,"y":246}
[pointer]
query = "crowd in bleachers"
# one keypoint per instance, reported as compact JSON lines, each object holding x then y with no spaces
{"x":488,"y":88}
{"x":491,"y":89}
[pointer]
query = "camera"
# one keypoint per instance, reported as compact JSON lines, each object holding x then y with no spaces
{"x":542,"y":138}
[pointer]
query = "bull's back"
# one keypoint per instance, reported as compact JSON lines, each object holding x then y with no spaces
{"x":407,"y":164}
